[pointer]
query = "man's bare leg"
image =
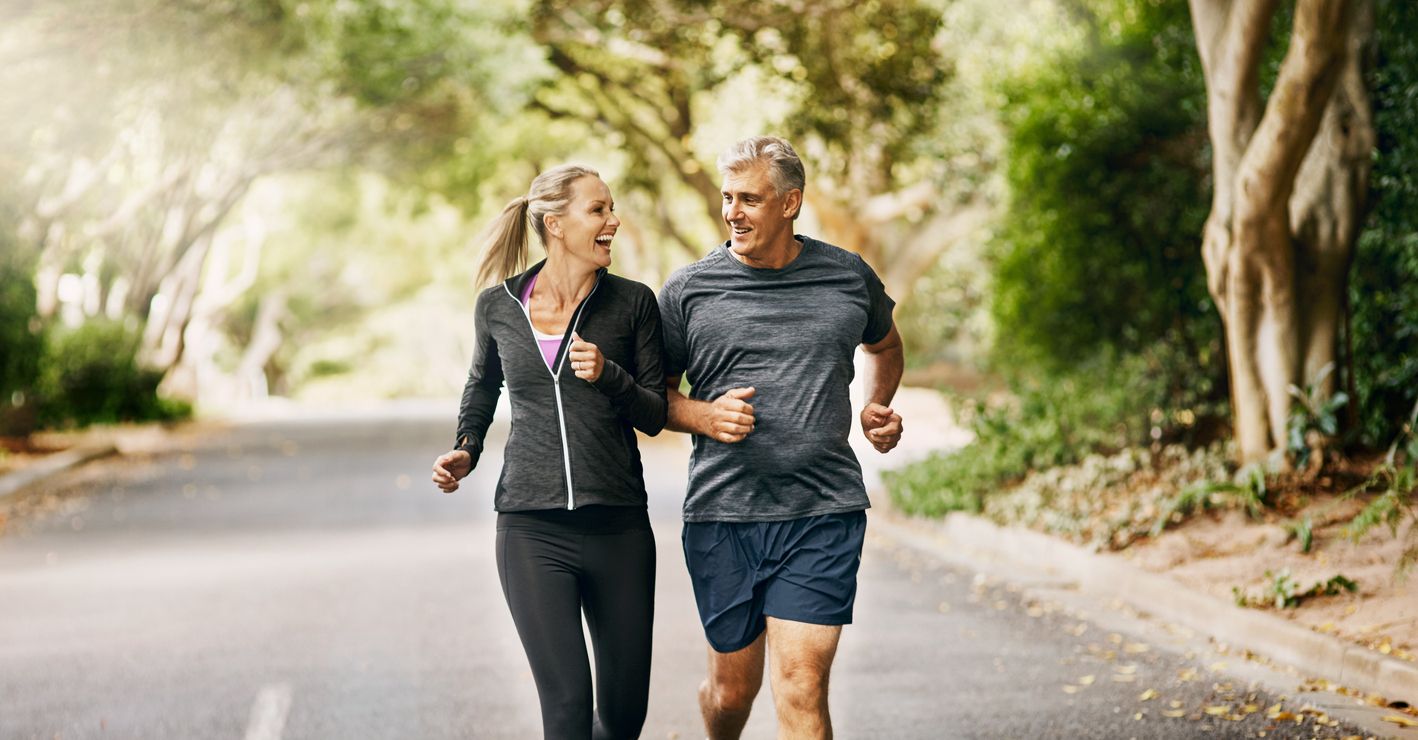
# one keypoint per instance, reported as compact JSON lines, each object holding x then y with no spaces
{"x":801,"y":659}
{"x":726,"y":696}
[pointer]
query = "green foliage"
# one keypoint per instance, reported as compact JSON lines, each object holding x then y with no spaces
{"x":1106,"y":404}
{"x":1314,"y":419}
{"x":1106,"y":167}
{"x":89,"y":375}
{"x":1283,"y":592}
{"x":20,"y":338}
{"x":1247,"y":488}
{"x":1383,"y":301}
{"x":1303,"y":530}
{"x":1395,"y":481}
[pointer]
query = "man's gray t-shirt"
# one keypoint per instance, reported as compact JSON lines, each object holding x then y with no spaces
{"x":790,"y":334}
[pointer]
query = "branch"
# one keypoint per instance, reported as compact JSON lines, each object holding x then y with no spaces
{"x":1293,"y":113}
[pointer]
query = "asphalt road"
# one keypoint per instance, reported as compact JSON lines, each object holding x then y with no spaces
{"x":303,"y":579}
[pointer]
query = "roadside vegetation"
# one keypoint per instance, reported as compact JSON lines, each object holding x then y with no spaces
{"x":1112,"y":422}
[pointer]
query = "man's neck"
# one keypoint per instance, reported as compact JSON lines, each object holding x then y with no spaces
{"x":780,"y":255}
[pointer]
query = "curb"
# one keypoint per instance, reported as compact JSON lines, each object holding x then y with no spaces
{"x":1282,"y":641}
{"x":12,"y":483}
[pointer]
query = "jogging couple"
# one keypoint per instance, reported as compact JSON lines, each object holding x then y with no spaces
{"x":764,"y":329}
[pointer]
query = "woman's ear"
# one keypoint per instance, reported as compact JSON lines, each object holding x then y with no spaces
{"x":552,"y":224}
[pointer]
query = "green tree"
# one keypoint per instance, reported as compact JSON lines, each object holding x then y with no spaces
{"x":1105,"y":169}
{"x":858,"y":86}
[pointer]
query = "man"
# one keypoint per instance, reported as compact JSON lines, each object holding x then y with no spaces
{"x":765,"y":328}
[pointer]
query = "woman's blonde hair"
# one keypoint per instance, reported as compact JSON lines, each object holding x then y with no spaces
{"x":505,"y":253}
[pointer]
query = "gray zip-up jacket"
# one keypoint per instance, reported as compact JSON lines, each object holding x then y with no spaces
{"x":572,"y":442}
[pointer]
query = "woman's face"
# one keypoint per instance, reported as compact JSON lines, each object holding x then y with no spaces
{"x":589,"y":223}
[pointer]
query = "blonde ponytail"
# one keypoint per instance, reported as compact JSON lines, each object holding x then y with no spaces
{"x":550,"y":193}
{"x":506,"y":251}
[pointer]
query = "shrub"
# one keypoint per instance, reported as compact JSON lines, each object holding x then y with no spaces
{"x":1384,"y":303}
{"x":90,"y":375}
{"x":1104,"y":405}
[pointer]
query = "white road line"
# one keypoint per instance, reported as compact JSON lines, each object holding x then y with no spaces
{"x":268,"y":714}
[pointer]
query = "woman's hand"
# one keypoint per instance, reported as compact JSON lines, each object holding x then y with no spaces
{"x":586,"y":359}
{"x":451,"y":467}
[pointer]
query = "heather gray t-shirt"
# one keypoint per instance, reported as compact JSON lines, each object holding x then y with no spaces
{"x":790,"y":334}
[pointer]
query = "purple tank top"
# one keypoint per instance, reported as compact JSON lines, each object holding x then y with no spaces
{"x":549,"y":343}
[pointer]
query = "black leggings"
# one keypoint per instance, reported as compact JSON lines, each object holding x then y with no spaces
{"x":554,"y":565}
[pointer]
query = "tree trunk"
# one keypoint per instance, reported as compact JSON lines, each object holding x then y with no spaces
{"x":1288,"y":191}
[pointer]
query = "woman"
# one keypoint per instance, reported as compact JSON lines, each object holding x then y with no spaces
{"x":579,"y":349}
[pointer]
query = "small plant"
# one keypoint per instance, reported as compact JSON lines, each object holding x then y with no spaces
{"x":1283,"y":591}
{"x":1314,"y":421}
{"x":1395,"y":481}
{"x":1303,"y":531}
{"x":1246,"y":489}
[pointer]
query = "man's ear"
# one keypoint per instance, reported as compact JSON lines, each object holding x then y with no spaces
{"x":792,"y":203}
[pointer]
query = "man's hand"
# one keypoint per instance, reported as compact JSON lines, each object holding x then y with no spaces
{"x":586,"y":359}
{"x":730,"y":416}
{"x":882,"y":426}
{"x":451,"y":467}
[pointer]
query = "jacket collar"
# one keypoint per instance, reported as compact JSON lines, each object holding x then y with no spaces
{"x":518,"y":283}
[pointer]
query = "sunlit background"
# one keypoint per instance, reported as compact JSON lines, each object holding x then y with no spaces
{"x":234,"y":200}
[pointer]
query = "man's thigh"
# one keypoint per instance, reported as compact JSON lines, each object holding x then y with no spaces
{"x":801,"y":651}
{"x":815,"y":579}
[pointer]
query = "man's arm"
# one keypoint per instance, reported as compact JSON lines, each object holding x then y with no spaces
{"x":885,"y":361}
{"x":728,"y":418}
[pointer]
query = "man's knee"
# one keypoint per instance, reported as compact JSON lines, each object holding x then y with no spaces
{"x":801,"y":686}
{"x":730,"y":693}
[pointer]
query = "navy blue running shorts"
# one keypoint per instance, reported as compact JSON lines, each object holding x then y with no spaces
{"x":800,"y":570}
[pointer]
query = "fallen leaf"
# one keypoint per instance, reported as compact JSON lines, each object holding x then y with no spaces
{"x":1400,"y":720}
{"x":1218,"y":710}
{"x":1174,"y":713}
{"x":1133,"y":648}
{"x":1147,"y":695}
{"x":1087,"y":680}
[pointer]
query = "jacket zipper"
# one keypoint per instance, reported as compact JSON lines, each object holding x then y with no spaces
{"x":556,"y":379}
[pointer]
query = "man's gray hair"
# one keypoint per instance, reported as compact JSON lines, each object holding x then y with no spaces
{"x":785,"y":169}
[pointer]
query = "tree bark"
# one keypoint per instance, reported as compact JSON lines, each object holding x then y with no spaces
{"x":1289,"y":184}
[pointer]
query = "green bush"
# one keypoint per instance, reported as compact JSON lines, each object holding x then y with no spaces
{"x":1105,"y":404}
{"x":1381,"y":288}
{"x":20,"y":339}
{"x":1107,"y":167}
{"x":90,"y":375}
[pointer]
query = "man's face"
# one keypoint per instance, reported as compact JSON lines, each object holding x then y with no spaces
{"x":757,"y":216}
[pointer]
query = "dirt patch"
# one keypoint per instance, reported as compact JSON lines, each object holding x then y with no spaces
{"x":1222,"y":553}
{"x":19,"y":452}
{"x":1242,"y":542}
